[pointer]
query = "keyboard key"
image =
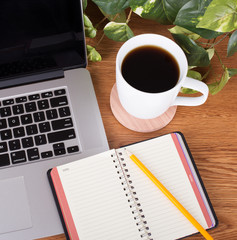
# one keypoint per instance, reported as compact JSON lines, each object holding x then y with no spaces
{"x":3,"y":123}
{"x":33,"y":154}
{"x":5,"y":112}
{"x":27,"y":142}
{"x":3,"y":148}
{"x":43,"y":104}
{"x":30,"y":107}
{"x":47,"y":154}
{"x":31,"y":129}
{"x":24,"y":129}
{"x":14,"y":145}
{"x":62,"y":123}
{"x":34,"y":97}
{"x":47,"y":94}
{"x":59,"y":92}
{"x":19,"y":132}
{"x":4,"y":160}
{"x":51,"y":114}
{"x":8,"y":102}
{"x":18,"y":157}
{"x":64,"y":112}
{"x":26,"y":119}
{"x":61,"y":136}
{"x":40,"y":140}
{"x":59,"y":149}
{"x":39,"y":116}
{"x":73,"y":149}
{"x":58,"y":101}
{"x":6,"y":134}
{"x":21,"y":99}
{"x":13,"y":121}
{"x":18,"y":109}
{"x":44,"y":127}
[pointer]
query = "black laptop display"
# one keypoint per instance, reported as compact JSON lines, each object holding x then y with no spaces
{"x":38,"y":36}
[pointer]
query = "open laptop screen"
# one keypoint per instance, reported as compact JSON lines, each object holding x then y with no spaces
{"x":40,"y":27}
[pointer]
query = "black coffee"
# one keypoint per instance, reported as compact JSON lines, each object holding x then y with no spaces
{"x":150,"y":69}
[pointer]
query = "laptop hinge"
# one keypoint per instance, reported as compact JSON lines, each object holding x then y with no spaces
{"x":43,"y":76}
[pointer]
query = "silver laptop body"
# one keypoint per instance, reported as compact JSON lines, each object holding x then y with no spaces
{"x":67,"y":129}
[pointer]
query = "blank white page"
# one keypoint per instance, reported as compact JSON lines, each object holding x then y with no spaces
{"x":165,"y":221}
{"x":98,"y":204}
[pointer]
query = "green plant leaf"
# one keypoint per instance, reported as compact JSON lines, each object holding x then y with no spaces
{"x":92,"y":54}
{"x":195,"y":75}
{"x":211,"y":52}
{"x":118,"y":17}
{"x":152,"y":10}
{"x":189,"y":16}
{"x":112,"y":6}
{"x":118,"y":31}
{"x":84,"y":4}
{"x":220,"y":16}
{"x":196,"y":55}
{"x":216,"y":87}
{"x":232,"y":71}
{"x":180,"y":30}
{"x":232,"y":44}
{"x":90,"y":31}
{"x":162,"y":11}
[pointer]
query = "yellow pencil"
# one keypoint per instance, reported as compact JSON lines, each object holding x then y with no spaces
{"x":170,"y":196}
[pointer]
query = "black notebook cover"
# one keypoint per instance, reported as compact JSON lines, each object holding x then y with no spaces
{"x":194,"y":165}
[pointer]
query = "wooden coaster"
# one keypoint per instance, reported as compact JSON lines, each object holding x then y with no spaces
{"x":137,"y":124}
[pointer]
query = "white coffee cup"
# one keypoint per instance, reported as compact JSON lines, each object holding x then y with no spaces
{"x":146,"y":105}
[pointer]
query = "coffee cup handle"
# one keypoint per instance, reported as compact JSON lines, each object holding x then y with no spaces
{"x":193,"y":101}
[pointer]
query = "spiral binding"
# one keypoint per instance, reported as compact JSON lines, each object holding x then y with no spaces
{"x":130,"y":193}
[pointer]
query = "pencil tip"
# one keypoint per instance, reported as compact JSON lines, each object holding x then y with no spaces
{"x":128,"y":153}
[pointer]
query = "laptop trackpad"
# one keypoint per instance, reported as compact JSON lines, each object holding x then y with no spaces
{"x":14,"y":207}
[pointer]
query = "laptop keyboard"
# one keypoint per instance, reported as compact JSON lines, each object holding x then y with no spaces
{"x":35,"y":127}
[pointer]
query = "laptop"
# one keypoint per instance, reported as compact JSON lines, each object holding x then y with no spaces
{"x":48,"y":110}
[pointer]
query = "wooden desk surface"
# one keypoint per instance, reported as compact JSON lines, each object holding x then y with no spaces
{"x":210,"y":129}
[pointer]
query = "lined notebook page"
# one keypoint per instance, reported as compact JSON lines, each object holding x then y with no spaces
{"x":163,"y":218}
{"x":97,"y":200}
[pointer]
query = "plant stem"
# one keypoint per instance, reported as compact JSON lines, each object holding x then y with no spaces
{"x":214,"y":44}
{"x":112,"y":20}
{"x":219,"y":59}
{"x":99,"y":40}
{"x":129,"y":16}
{"x":103,"y":32}
{"x":115,"y":17}
{"x":208,"y":42}
{"x":207,"y":73}
{"x":102,"y":20}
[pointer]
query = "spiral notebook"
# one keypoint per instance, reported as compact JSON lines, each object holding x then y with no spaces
{"x":106,"y":196}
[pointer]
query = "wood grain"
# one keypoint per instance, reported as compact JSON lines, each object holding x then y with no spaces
{"x":210,"y":129}
{"x":137,"y":124}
